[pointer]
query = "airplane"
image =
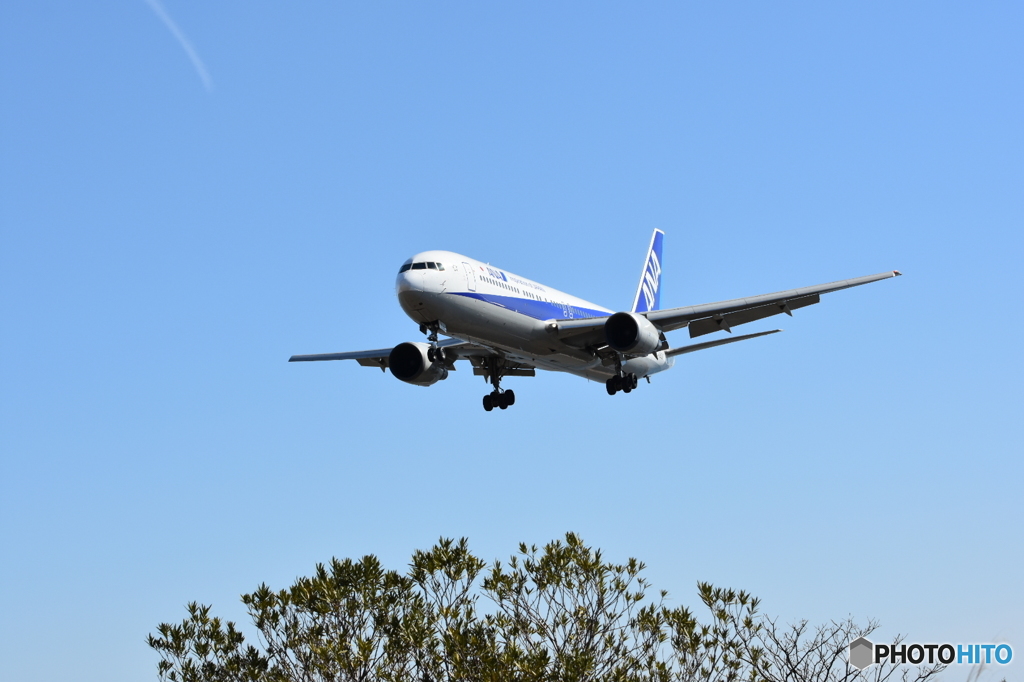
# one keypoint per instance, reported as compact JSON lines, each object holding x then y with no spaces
{"x":505,"y":325}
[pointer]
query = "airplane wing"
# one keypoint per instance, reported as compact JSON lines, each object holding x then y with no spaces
{"x":379,"y":358}
{"x":367,"y":358}
{"x":713,"y":317}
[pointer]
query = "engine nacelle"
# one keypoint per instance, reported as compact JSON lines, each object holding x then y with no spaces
{"x":409,"y":363}
{"x":632,"y":334}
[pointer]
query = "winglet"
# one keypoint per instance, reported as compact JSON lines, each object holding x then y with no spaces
{"x":648,"y":291}
{"x":896,"y":273}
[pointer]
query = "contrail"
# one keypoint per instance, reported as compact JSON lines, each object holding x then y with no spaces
{"x":185,"y":45}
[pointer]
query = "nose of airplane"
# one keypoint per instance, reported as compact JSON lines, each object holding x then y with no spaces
{"x":410,"y":280}
{"x":409,"y":289}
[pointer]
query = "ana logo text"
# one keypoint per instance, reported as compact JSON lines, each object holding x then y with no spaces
{"x":652,"y":275}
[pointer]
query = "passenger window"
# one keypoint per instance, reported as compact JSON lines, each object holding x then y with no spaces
{"x":404,"y":268}
{"x":419,"y":266}
{"x":432,"y":266}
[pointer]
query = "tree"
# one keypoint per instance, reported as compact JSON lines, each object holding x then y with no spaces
{"x":561,"y":612}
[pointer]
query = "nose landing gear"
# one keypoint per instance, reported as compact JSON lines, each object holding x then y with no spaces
{"x":435,"y":353}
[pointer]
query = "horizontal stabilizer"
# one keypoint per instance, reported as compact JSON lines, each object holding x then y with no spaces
{"x":719,"y":342}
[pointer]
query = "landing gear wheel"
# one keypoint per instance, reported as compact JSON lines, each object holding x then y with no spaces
{"x":613,"y":385}
{"x":488,"y":404}
{"x":499,"y":400}
{"x":510,"y":398}
{"x":634,"y":381}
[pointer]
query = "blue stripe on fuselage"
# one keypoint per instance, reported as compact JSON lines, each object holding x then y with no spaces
{"x":539,"y":310}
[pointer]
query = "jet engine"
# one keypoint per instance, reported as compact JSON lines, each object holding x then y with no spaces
{"x":632,"y":334}
{"x":409,"y":363}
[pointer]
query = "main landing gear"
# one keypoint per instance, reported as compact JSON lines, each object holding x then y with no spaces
{"x":497,"y":398}
{"x":624,"y":383}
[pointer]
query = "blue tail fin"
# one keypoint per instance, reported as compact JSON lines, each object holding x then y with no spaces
{"x":648,"y":291}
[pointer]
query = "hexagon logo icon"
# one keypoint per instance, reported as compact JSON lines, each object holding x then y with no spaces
{"x":862,"y":653}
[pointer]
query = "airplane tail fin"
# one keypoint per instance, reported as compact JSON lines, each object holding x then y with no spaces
{"x":648,"y":291}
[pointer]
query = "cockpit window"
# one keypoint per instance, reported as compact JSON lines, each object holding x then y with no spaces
{"x":420,"y":266}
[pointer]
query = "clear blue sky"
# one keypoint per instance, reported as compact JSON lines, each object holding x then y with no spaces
{"x":173,"y":229}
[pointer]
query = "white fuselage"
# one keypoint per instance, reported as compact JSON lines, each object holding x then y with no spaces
{"x":476,"y":302}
